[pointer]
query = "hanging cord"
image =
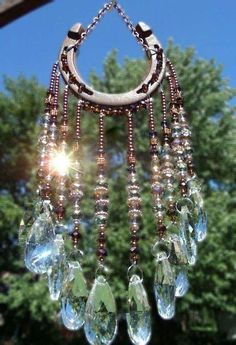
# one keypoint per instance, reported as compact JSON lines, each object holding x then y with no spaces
{"x":109,"y":7}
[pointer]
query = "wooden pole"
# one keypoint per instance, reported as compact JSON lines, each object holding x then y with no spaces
{"x":13,"y":9}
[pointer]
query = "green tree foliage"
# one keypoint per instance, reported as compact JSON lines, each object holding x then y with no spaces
{"x":26,"y":314}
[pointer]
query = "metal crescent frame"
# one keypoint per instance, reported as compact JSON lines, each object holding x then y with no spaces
{"x":72,"y":77}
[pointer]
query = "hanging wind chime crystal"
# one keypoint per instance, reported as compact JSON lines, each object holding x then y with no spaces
{"x":177,"y":202}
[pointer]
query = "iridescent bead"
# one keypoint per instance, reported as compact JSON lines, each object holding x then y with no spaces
{"x":186,"y":132}
{"x":186,"y":143}
{"x":157,"y":188}
{"x":101,"y":191}
{"x":43,"y":139}
{"x":155,"y":169}
{"x":77,"y":194}
{"x":101,"y":208}
{"x":168,"y":173}
{"x":134,"y":202}
{"x":159,"y":215}
{"x":132,"y":178}
{"x":176,"y":131}
{"x":181,"y":164}
{"x":159,"y":208}
{"x":101,"y":215}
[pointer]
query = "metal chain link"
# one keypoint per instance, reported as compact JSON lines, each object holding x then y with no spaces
{"x":130,"y":26}
{"x":107,"y":7}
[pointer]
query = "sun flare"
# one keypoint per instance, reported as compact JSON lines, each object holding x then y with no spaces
{"x":61,"y":163}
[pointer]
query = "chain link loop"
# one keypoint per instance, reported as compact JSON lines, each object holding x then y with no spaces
{"x":107,"y":7}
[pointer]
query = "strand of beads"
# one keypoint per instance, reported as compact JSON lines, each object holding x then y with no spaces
{"x":138,"y":316}
{"x":194,"y":185}
{"x":53,"y":133}
{"x":164,"y":284}
{"x":60,"y":163}
{"x":167,"y":166}
{"x":39,"y":227}
{"x":177,"y":259}
{"x":43,"y":140}
{"x":134,"y":200}
{"x":156,"y":178}
{"x":100,"y":313}
{"x":74,"y":291}
{"x":184,"y":204}
{"x":59,"y":168}
{"x":101,"y":195}
{"x":76,"y":187}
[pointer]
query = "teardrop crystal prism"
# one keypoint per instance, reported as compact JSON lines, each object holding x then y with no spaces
{"x":74,"y":297}
{"x":40,"y":246}
{"x":177,"y":252}
{"x":139,"y":315}
{"x":201,"y":226}
{"x":197,"y":199}
{"x":185,"y":234}
{"x":100,"y":315}
{"x":56,"y":271}
{"x":181,"y":282}
{"x":30,"y":215}
{"x":164,"y":288}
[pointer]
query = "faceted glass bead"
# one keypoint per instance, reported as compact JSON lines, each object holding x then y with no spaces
{"x":194,"y":186}
{"x":181,"y":282}
{"x":177,"y":252}
{"x":40,"y":246}
{"x":197,"y":199}
{"x":161,"y":247}
{"x":29,"y":217}
{"x":200,"y":229}
{"x":164,"y":288}
{"x":176,"y":131}
{"x":55,"y":277}
{"x":100,"y":315}
{"x":56,"y":271}
{"x":186,"y":239}
{"x":139,"y":315}
{"x":74,"y":297}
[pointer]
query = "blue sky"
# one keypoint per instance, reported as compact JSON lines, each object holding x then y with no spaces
{"x":30,"y":45}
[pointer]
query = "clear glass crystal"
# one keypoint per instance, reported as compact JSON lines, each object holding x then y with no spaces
{"x":194,"y":186}
{"x":177,"y":253}
{"x":56,"y":271}
{"x":74,"y":297}
{"x":164,"y":288}
{"x":40,"y":245}
{"x":181,"y":282}
{"x":200,"y":229}
{"x":186,"y":237}
{"x":30,"y":215}
{"x":100,"y":315}
{"x":139,"y":315}
{"x":198,"y":199}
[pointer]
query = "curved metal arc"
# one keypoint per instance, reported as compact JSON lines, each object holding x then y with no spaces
{"x":72,"y":77}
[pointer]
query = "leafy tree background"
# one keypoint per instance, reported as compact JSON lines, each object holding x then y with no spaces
{"x":207,"y":314}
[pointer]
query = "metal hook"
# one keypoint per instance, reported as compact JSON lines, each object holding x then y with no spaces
{"x":113,"y":3}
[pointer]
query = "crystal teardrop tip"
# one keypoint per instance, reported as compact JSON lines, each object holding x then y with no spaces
{"x":181,"y":283}
{"x":40,"y":246}
{"x":201,"y":226}
{"x":139,"y":314}
{"x":186,"y":234}
{"x":74,"y":297}
{"x":56,"y":271}
{"x":164,"y":288}
{"x":100,"y":315}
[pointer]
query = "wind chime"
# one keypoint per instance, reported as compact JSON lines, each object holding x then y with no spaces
{"x":177,"y":201}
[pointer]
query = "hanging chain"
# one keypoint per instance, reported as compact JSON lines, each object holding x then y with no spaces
{"x":107,"y":7}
